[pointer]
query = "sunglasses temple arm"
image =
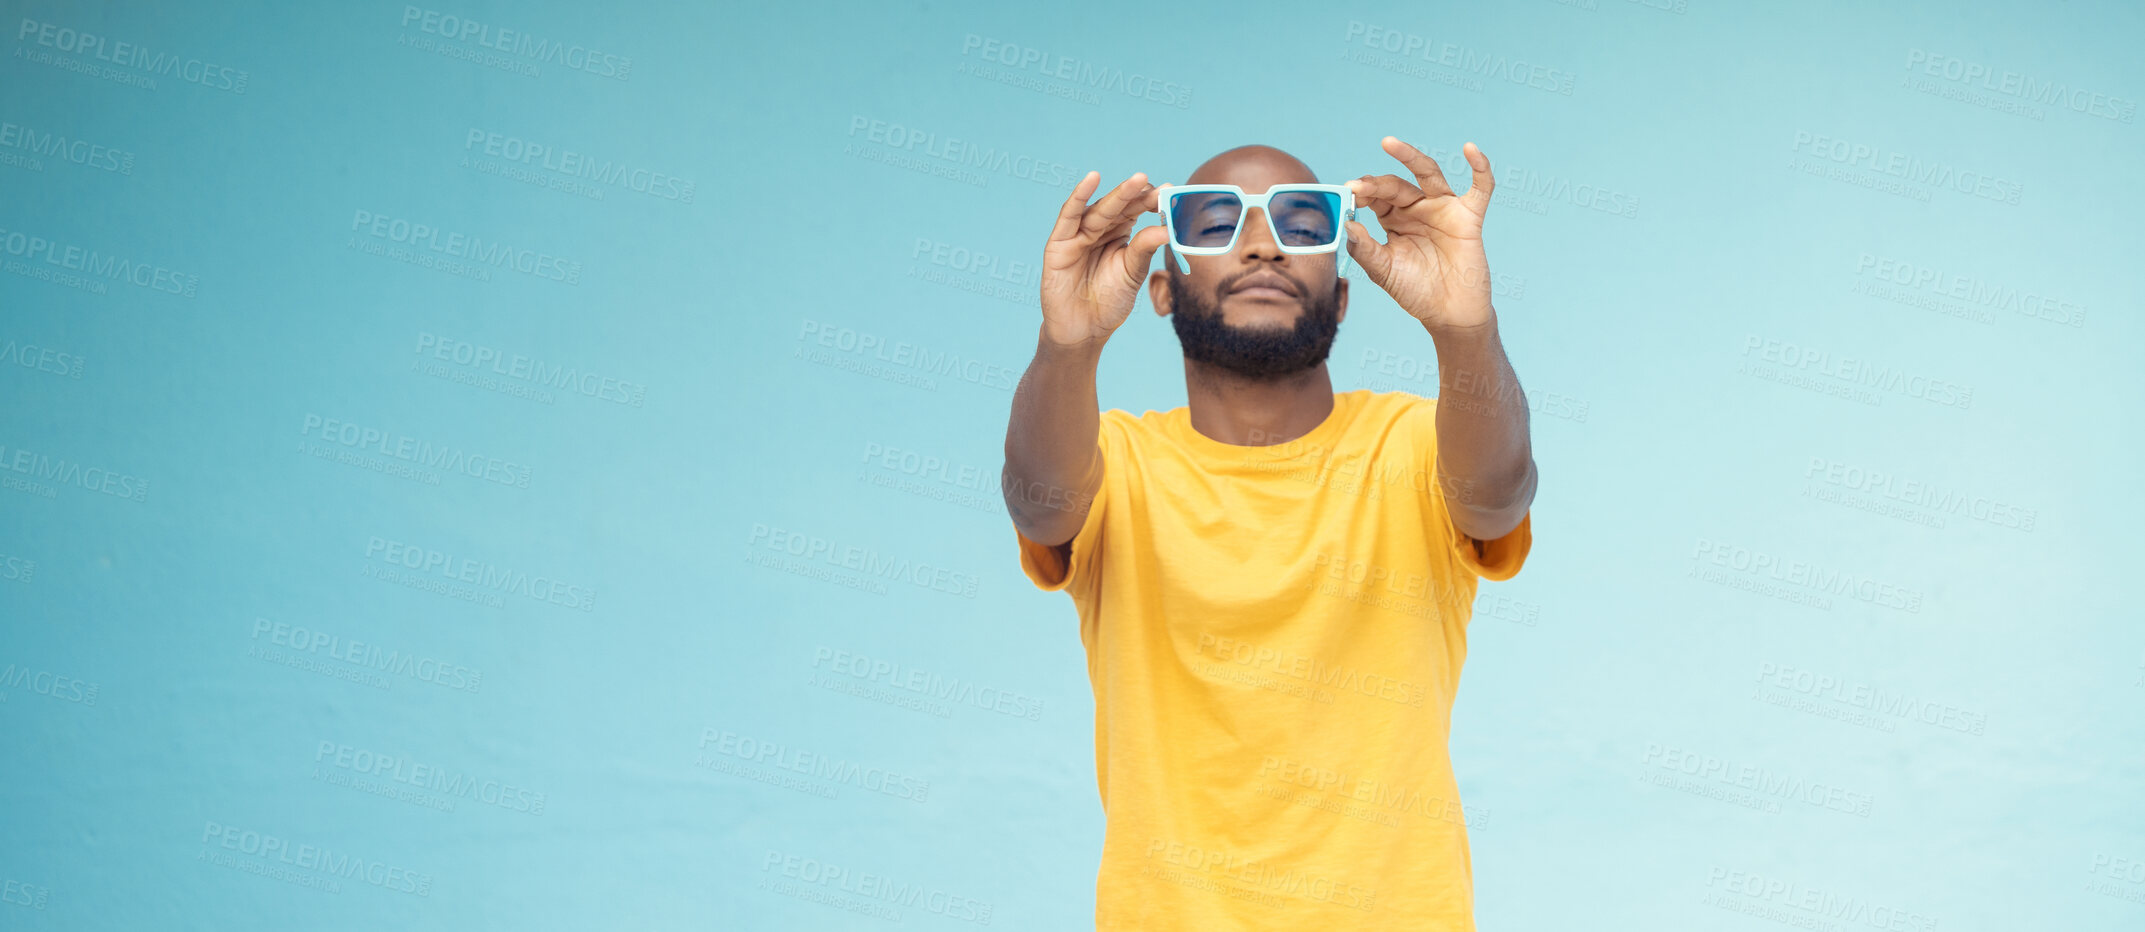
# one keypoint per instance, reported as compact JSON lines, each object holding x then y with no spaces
{"x":1184,"y":266}
{"x":1344,"y":239}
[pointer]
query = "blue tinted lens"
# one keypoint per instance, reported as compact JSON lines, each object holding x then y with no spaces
{"x":1306,"y":218}
{"x":1204,"y":218}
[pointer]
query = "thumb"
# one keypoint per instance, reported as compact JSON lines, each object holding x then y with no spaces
{"x":1139,"y":253}
{"x":1375,"y":257}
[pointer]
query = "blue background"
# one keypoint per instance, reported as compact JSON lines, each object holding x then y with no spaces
{"x":1671,"y":238}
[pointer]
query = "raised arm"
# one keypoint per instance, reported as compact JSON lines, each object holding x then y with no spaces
{"x":1485,"y":459}
{"x":1433,"y":264}
{"x":1092,"y":270}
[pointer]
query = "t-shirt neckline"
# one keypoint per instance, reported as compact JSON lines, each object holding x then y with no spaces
{"x":1320,"y":438}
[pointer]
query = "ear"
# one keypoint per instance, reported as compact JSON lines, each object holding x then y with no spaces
{"x":1340,"y":300}
{"x":1158,"y":290}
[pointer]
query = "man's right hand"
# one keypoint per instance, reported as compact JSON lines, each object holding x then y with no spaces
{"x":1092,"y":271}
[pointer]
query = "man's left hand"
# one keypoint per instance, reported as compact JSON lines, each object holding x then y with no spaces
{"x":1432,"y":261}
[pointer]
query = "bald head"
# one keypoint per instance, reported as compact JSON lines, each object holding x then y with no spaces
{"x":1253,"y":168}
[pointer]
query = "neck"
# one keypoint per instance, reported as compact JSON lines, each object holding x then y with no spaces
{"x":1247,"y":412}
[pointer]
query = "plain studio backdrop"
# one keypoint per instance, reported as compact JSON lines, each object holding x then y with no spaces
{"x":534,"y":466}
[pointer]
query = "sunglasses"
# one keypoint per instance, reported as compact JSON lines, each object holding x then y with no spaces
{"x":1206,"y":219}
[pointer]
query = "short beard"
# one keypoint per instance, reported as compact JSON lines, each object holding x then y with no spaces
{"x":1262,"y":354}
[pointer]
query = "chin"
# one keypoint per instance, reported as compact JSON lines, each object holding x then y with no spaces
{"x":1260,"y":315}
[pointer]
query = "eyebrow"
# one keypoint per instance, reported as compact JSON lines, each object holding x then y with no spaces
{"x":1305,"y":200}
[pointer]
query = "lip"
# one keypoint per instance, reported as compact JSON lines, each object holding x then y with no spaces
{"x":1265,"y":285}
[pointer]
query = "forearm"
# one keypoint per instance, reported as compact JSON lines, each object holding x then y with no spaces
{"x":1485,"y":460}
{"x":1053,"y":466}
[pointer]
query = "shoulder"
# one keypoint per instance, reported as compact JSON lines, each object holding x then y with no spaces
{"x":1137,"y":427}
{"x":1395,"y":409}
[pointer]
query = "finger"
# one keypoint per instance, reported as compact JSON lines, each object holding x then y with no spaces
{"x":1075,"y":204}
{"x":1115,"y":235}
{"x":1140,"y":250}
{"x":1141,"y":203}
{"x":1427,"y":173}
{"x":1481,"y":183}
{"x":1375,"y":257}
{"x":1386,"y":196}
{"x":1107,"y":212}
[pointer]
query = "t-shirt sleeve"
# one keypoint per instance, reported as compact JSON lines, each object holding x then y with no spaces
{"x":1052,"y":569}
{"x":1495,"y":559}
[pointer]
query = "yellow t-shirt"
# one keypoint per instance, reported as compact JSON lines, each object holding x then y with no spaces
{"x":1274,"y":636}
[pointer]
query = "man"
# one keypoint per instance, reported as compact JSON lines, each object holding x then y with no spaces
{"x":1274,"y":583}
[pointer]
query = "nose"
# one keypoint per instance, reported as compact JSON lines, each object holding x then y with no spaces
{"x":1256,"y":240}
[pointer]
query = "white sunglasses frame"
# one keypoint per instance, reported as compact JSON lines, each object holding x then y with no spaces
{"x":1162,"y":198}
